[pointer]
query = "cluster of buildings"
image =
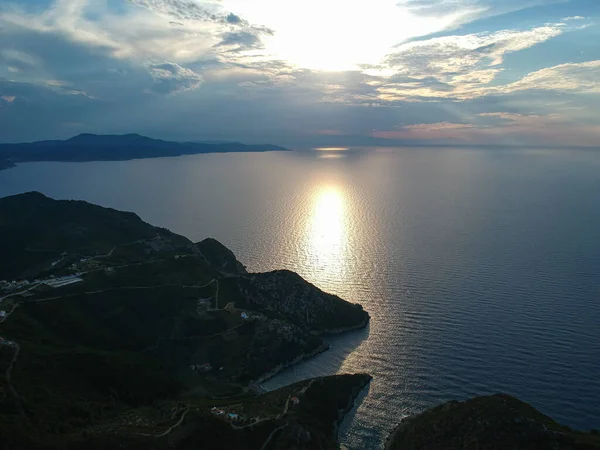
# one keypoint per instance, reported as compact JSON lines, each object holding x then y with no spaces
{"x":62,"y":281}
{"x":222,"y":413}
{"x":12,"y":285}
{"x":51,"y":281}
{"x":230,"y":307}
{"x":8,"y":343}
{"x":204,"y":305}
{"x":201,"y":368}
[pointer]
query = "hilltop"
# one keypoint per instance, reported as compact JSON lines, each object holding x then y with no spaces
{"x":94,"y":147}
{"x":495,"y":422}
{"x":113,"y":330}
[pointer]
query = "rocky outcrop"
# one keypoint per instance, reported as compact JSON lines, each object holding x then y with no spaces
{"x":494,"y":422}
{"x":220,"y":257}
{"x":287,"y":295}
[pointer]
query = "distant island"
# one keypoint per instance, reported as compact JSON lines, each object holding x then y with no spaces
{"x":95,"y":147}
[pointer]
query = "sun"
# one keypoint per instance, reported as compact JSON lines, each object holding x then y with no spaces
{"x":333,"y":35}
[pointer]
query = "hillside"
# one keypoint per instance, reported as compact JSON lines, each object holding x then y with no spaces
{"x":93,"y":147}
{"x":494,"y":422}
{"x":105,"y":317}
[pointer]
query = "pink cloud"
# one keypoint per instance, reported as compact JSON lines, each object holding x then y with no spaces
{"x":513,"y":129}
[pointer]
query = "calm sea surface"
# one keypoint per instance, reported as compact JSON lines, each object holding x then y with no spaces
{"x":480,"y":269}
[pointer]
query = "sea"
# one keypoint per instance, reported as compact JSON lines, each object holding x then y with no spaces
{"x":480,"y":268}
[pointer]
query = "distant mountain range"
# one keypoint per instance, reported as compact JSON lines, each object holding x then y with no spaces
{"x":94,"y":147}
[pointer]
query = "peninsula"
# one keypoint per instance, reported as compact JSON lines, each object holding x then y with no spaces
{"x":116,"y":331}
{"x":94,"y":147}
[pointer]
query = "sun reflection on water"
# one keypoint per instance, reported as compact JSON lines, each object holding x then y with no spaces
{"x":327,"y":236}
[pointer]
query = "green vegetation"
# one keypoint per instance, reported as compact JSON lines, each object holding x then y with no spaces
{"x":120,"y":332}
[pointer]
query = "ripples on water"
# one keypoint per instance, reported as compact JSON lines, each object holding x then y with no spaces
{"x":479,"y":268}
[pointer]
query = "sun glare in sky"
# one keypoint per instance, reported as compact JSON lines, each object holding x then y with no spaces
{"x":303,"y":73}
{"x":334,"y":35}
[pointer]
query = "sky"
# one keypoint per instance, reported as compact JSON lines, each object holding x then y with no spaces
{"x":304,"y":73}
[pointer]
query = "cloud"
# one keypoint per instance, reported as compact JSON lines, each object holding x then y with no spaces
{"x":18,"y":61}
{"x":501,"y":128}
{"x":460,"y":67}
{"x":439,"y":8}
{"x":184,"y":9}
{"x":451,"y":55}
{"x":250,"y":38}
{"x":95,"y":62}
{"x":244,"y":35}
{"x":38,"y":110}
{"x":426,"y":131}
{"x":240,"y":40}
{"x":580,"y":78}
{"x":233,"y":19}
{"x":485,"y":8}
{"x":143,"y":30}
{"x":171,"y":78}
{"x":464,"y":11}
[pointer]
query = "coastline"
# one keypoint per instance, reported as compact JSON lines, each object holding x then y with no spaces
{"x":137,"y":158}
{"x":389,"y":441}
{"x":349,"y":406}
{"x":335,"y":331}
{"x":256,"y":384}
{"x":397,"y":429}
{"x":8,"y":165}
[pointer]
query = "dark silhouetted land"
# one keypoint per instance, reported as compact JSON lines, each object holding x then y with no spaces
{"x":94,"y":147}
